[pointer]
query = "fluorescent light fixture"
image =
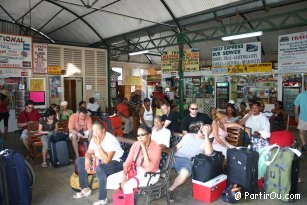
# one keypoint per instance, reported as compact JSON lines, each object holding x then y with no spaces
{"x":244,"y":35}
{"x":138,"y":53}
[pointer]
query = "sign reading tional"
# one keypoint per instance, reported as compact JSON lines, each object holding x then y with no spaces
{"x":236,"y":54}
{"x":15,"y":51}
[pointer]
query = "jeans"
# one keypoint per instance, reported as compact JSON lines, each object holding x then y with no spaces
{"x":102,"y":172}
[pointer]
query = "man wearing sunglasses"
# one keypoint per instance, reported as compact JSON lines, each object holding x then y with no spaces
{"x":26,"y":116}
{"x":192,"y":122}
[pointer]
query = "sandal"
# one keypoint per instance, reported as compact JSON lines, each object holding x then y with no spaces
{"x":44,"y":165}
{"x":81,"y":194}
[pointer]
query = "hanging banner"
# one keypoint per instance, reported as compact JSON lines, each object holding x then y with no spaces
{"x":236,"y":54}
{"x":191,"y":59}
{"x":169,"y":61}
{"x":133,"y":80}
{"x":251,"y":68}
{"x":40,"y":58}
{"x":37,"y":84}
{"x":15,"y":51}
{"x":8,"y":73}
{"x":292,"y":52}
{"x":54,"y":70}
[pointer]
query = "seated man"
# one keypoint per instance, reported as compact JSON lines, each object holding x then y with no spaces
{"x":106,"y":147}
{"x":92,"y":107}
{"x":190,"y":146}
{"x":80,"y":126}
{"x":26,"y":116}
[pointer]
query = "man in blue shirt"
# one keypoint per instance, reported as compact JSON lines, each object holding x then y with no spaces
{"x":301,"y":117}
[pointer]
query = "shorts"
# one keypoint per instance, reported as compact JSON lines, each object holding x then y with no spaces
{"x":86,"y":134}
{"x":181,"y":163}
{"x":24,"y":134}
{"x":5,"y":116}
{"x":302,"y":125}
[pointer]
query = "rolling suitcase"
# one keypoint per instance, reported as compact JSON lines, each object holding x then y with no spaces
{"x":58,"y":151}
{"x":15,"y":186}
{"x":242,"y":168}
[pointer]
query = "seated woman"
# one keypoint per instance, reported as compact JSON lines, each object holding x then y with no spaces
{"x":147,"y":154}
{"x":56,"y":109}
{"x":106,"y":147}
{"x":231,"y":115}
{"x":65,"y":113}
{"x":46,"y":125}
{"x":279,"y":118}
{"x":160,"y":134}
{"x":219,"y":132}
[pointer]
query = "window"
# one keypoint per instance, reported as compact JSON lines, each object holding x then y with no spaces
{"x":119,"y":70}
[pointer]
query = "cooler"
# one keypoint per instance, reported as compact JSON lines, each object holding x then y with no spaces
{"x":209,"y":191}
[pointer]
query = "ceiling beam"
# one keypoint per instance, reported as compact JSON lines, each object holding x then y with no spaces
{"x":30,"y":10}
{"x":172,"y":15}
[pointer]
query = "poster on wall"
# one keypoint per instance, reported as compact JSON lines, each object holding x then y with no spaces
{"x":191,"y":59}
{"x":54,"y":84}
{"x":37,"y":84}
{"x":8,"y":73}
{"x":169,"y":61}
{"x":292,"y":52}
{"x":15,"y":51}
{"x":133,"y":80}
{"x":236,"y":54}
{"x":40,"y":58}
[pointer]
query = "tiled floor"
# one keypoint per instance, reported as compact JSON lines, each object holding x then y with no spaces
{"x":52,"y":186}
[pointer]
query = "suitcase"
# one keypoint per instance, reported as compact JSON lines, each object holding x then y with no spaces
{"x":59,"y":154}
{"x":15,"y":186}
{"x":242,"y":169}
{"x":113,"y":124}
{"x":206,"y":167}
{"x":295,"y":170}
{"x":282,"y":138}
{"x":2,"y":145}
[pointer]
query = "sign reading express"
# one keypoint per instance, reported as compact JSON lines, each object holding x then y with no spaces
{"x":236,"y":54}
{"x":15,"y":51}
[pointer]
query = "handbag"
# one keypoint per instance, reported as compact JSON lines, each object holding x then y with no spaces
{"x":119,"y":198}
{"x":131,"y":170}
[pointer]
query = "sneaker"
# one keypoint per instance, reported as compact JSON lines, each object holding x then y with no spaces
{"x":171,"y":196}
{"x":101,"y":202}
{"x":44,"y":165}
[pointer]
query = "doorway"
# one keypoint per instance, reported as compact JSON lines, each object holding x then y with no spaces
{"x":73,"y":92}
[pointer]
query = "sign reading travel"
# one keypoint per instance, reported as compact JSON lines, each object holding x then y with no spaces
{"x":292,"y":52}
{"x":15,"y":51}
{"x":236,"y":54}
{"x":40,"y":58}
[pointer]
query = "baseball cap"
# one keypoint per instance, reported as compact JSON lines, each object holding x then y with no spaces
{"x":231,"y":102}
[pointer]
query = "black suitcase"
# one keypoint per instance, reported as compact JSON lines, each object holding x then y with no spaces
{"x":58,"y":150}
{"x":206,"y":167}
{"x":295,"y":170}
{"x":242,"y":168}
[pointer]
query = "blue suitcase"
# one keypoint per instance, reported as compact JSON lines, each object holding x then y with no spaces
{"x":15,"y":183}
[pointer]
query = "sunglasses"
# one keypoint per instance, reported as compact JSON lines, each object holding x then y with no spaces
{"x":141,"y":135}
{"x":193,"y":108}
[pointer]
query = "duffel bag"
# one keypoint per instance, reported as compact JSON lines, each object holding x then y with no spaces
{"x":74,"y":182}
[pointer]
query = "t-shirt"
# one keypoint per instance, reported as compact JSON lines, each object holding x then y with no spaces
{"x":192,"y":124}
{"x":108,"y":144}
{"x":300,"y":101}
{"x":92,"y":106}
{"x":66,"y":115}
{"x":73,"y":122}
{"x":123,"y":109}
{"x":33,"y":116}
{"x":162,"y":136}
{"x":191,"y":146}
{"x":46,"y":126}
{"x":258,"y":123}
{"x":173,"y":117}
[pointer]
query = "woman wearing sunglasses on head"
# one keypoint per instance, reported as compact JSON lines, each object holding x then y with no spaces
{"x":146,"y":154}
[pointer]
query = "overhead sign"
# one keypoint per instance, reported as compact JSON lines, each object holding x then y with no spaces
{"x":251,"y":68}
{"x":236,"y":54}
{"x":133,"y":80}
{"x":15,"y":51}
{"x":8,"y":72}
{"x":292,"y":52}
{"x":169,"y":61}
{"x":54,"y":70}
{"x":40,"y":58}
{"x":191,"y":60}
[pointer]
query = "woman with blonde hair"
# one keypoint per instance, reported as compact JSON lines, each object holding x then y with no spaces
{"x":219,"y":132}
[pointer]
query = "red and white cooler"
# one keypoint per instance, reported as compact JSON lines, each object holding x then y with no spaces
{"x":209,"y":191}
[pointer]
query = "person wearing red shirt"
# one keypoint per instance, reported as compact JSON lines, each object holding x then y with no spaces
{"x":123,"y":110}
{"x":26,"y":116}
{"x":4,"y":112}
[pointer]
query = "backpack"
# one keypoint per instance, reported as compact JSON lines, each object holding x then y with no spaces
{"x":263,"y":161}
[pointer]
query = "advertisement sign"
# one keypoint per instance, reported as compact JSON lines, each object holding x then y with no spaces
{"x":236,"y":54}
{"x":292,"y":52}
{"x":54,"y":70}
{"x":15,"y":51}
{"x":133,"y":80}
{"x":8,"y":73}
{"x":191,"y":60}
{"x":251,"y":68}
{"x":37,"y":84}
{"x":40,"y":58}
{"x":169,"y":61}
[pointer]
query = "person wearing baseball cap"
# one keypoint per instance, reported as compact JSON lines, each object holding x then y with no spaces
{"x":4,"y":111}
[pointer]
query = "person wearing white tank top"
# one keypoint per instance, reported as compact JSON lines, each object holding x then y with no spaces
{"x":146,"y":113}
